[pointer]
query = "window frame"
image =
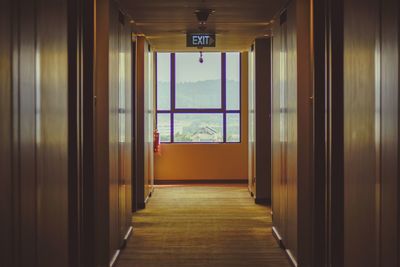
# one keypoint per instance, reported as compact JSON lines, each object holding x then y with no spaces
{"x":223,"y":110}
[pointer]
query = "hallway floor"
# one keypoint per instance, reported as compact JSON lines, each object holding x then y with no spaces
{"x":202,"y":226}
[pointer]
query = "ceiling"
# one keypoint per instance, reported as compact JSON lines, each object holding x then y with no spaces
{"x":236,"y":22}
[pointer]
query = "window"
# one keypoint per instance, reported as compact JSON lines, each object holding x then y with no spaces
{"x":198,"y":103}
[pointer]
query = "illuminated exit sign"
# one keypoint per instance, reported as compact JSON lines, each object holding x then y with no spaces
{"x":200,"y":39}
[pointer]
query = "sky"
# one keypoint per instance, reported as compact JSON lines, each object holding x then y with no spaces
{"x":188,"y":68}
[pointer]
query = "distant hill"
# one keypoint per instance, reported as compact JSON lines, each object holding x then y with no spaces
{"x":203,"y":94}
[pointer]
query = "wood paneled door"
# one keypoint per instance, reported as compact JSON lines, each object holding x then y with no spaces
{"x":34,"y":139}
{"x":284,"y":152}
{"x":358,"y":83}
{"x":292,"y":131}
{"x":259,"y":148}
{"x":120,"y":130}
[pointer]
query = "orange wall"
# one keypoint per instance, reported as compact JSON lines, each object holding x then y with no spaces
{"x":208,"y":161}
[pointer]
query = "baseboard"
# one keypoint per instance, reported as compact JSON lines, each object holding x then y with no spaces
{"x":288,"y":253}
{"x":278,"y":238}
{"x":127,"y":235}
{"x":263,"y":201}
{"x":291,"y":258}
{"x":114,"y":258}
{"x":122,"y":247}
{"x":178,"y":182}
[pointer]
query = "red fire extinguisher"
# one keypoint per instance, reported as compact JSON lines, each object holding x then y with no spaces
{"x":156,"y":139}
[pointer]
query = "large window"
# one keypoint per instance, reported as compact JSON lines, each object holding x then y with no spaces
{"x":198,"y":102}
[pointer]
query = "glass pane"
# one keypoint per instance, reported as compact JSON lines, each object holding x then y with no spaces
{"x":198,"y":85}
{"x":200,"y":128}
{"x":163,"y":81}
{"x":233,"y":128}
{"x":164,"y":127}
{"x":233,"y":81}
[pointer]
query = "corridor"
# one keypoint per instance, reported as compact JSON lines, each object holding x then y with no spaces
{"x":204,"y":225}
{"x":225,"y":133}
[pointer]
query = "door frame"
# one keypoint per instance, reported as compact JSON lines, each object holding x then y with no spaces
{"x":328,"y":133}
{"x":81,"y":130}
{"x":135,"y":199}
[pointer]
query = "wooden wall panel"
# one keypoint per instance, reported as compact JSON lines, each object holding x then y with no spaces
{"x":144,"y":121}
{"x":37,"y":60}
{"x":305,"y":131}
{"x":35,"y":110}
{"x":27,"y":113}
{"x":86,"y":234}
{"x":389,"y":132}
{"x":370,"y":94}
{"x":335,"y":135}
{"x":6,"y":181}
{"x":52,"y":134}
{"x":362,"y":72}
{"x":148,"y":127}
{"x":280,"y":127}
{"x":34,"y":133}
{"x":126,"y":39}
{"x":149,"y":119}
{"x":125,"y":128}
{"x":101,"y":134}
{"x":251,"y":122}
{"x":140,"y":122}
{"x":133,"y":122}
{"x":113,"y":126}
{"x":292,"y":130}
{"x":120,"y":148}
{"x":276,"y":168}
{"x":262,"y":125}
{"x":285,"y":128}
{"x":361,"y":133}
{"x":321,"y":120}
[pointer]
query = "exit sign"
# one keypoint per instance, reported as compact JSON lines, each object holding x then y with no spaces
{"x":200,"y":40}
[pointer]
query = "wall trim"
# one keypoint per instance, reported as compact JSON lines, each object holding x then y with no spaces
{"x":288,"y":253}
{"x":278,"y":237}
{"x":147,"y":199}
{"x":126,"y":237}
{"x":115,"y":257}
{"x":291,"y":258}
{"x":123,"y":245}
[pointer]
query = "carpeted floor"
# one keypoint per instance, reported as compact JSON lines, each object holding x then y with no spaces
{"x":202,"y":226}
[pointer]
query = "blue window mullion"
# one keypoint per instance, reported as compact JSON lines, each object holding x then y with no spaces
{"x":173,"y":95}
{"x":223,"y":93}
